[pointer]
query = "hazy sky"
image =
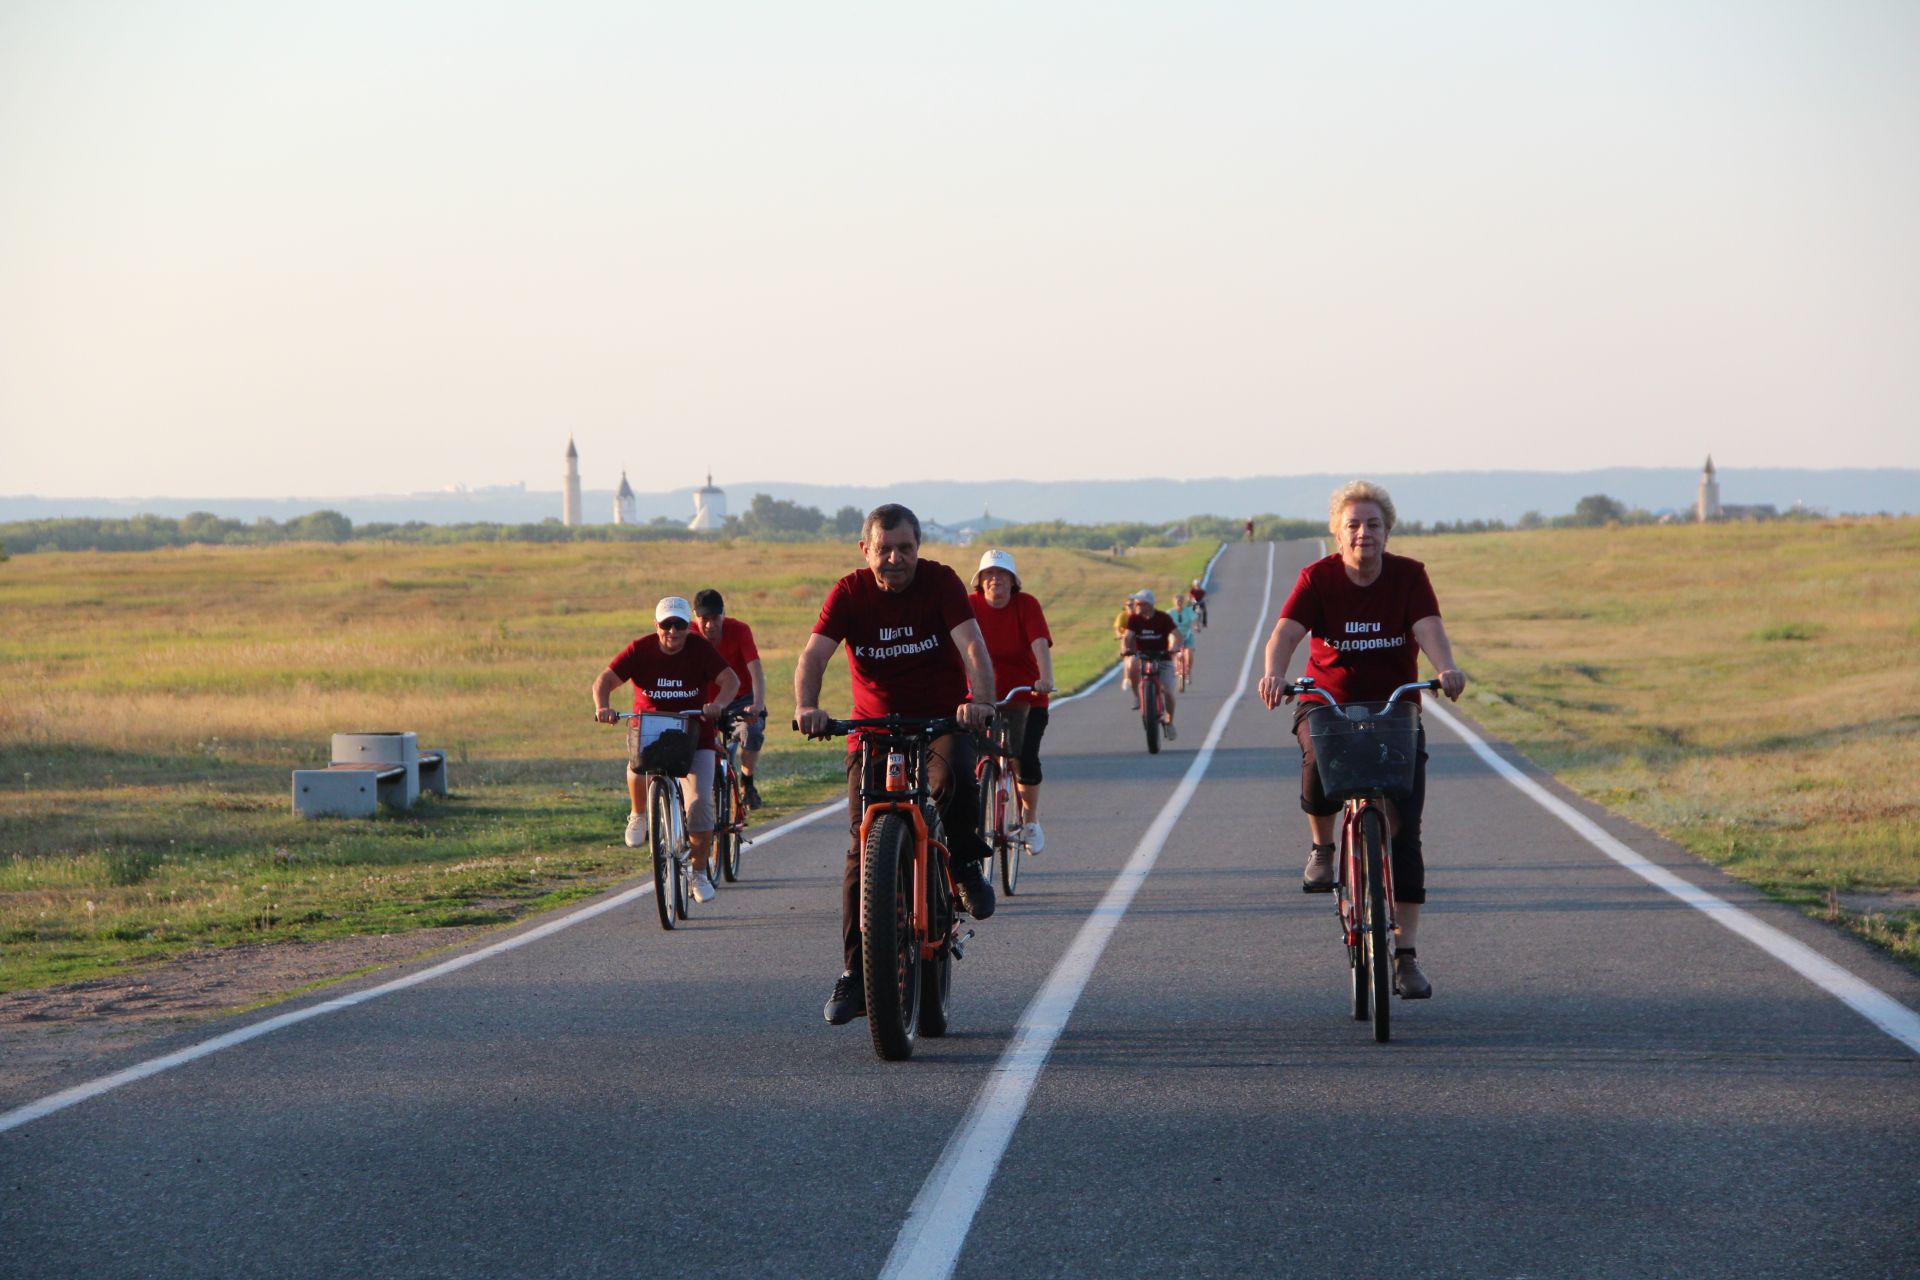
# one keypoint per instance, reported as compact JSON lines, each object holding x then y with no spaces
{"x":296,"y":248}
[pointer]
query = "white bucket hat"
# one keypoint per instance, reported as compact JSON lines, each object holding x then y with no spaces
{"x":996,"y":560}
{"x":1145,"y":595}
{"x":673,"y":607}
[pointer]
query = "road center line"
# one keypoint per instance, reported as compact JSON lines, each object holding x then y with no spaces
{"x":937,"y":1223}
{"x":1871,"y":1003}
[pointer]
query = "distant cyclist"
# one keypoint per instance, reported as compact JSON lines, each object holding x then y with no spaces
{"x":670,"y":669}
{"x":913,"y":648}
{"x":1197,"y":596}
{"x":734,"y":639}
{"x":1151,"y":633}
{"x":1021,"y":647}
{"x":1185,"y":615}
{"x":1367,"y":611}
{"x":1120,"y":634}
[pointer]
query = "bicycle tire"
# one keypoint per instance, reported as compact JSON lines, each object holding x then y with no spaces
{"x":1017,"y":844}
{"x":660,"y":847}
{"x":726,"y":841}
{"x":1348,"y":914}
{"x":677,"y":824}
{"x":1374,"y":938}
{"x":890,"y":949}
{"x":936,"y":975}
{"x":1150,"y":710}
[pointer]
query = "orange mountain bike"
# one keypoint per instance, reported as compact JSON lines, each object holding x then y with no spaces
{"x":910,"y":918}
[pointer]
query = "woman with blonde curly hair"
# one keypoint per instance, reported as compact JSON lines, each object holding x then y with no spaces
{"x":1367,"y":612}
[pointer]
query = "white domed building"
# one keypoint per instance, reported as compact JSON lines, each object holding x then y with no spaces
{"x":709,"y":509}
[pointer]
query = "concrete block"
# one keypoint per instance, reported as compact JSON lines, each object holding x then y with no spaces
{"x":433,"y":772}
{"x":399,"y":748}
{"x":336,"y":793}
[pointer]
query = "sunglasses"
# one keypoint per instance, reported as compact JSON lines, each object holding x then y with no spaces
{"x":672,"y":624}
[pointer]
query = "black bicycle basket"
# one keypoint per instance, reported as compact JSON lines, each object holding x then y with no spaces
{"x":1375,"y":752}
{"x":660,"y":744}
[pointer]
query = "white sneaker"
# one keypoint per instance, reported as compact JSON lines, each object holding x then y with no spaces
{"x":703,"y":890}
{"x":636,"y":831}
{"x":1034,"y":838}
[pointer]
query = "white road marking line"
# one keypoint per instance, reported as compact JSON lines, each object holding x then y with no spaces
{"x":929,"y":1243}
{"x":154,"y":1066}
{"x":1871,"y":1003}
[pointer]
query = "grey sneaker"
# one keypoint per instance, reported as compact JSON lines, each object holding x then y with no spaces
{"x":636,"y":831}
{"x":703,"y":890}
{"x":1408,"y":982}
{"x":1166,"y":729}
{"x":1318,"y":877}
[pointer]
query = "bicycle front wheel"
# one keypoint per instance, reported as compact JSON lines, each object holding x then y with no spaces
{"x":1150,"y":711}
{"x":1016,"y":842}
{"x":890,"y":946}
{"x":666,"y":894}
{"x":1375,"y":941}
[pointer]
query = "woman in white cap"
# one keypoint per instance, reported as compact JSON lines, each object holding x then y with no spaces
{"x":1022,"y":651}
{"x":669,"y":670}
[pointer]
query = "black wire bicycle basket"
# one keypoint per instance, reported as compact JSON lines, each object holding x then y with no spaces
{"x":660,"y":744}
{"x":1365,"y":747}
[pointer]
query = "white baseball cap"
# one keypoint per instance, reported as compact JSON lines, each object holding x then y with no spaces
{"x":997,"y":560}
{"x":1145,"y":595}
{"x":673,"y":607}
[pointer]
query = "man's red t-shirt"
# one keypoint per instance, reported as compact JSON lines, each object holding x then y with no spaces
{"x":1150,"y":633}
{"x":1363,"y":645}
{"x":1010,"y":633}
{"x":671,"y":682}
{"x":737,"y":647}
{"x":900,"y":646}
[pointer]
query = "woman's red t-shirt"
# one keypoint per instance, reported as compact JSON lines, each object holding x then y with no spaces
{"x":1010,"y":633}
{"x":1362,"y":648}
{"x":671,"y":682}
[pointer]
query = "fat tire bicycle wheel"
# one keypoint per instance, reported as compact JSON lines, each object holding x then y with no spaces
{"x":1375,"y":941}
{"x":890,"y":950}
{"x":1150,"y":711}
{"x":936,"y":975}
{"x":660,"y":844}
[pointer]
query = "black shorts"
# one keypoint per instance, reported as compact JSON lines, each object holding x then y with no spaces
{"x":1026,"y":725}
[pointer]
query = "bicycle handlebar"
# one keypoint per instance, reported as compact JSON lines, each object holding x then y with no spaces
{"x":918,"y":726}
{"x":1305,"y":685}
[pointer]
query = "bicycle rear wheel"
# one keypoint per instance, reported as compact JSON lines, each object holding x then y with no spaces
{"x":666,"y":895}
{"x":1375,"y":941}
{"x":936,"y":975}
{"x":890,"y":948}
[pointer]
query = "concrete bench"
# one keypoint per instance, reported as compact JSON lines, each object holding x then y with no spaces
{"x":367,"y":771}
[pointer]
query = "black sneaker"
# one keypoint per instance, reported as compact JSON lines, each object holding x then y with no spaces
{"x":976,"y":895}
{"x":848,"y":1001}
{"x":753,"y":792}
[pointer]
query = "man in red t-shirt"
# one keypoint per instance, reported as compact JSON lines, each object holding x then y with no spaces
{"x":734,"y":639}
{"x":913,"y":648}
{"x":1152,"y":633}
{"x":1198,"y":594}
{"x":671,"y":671}
{"x":1021,"y":647}
{"x":1367,"y":612}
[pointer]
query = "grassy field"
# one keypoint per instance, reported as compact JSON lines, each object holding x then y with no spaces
{"x":1750,"y":690}
{"x":154,"y":703}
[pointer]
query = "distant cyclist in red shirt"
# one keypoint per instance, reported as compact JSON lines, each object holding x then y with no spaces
{"x":1021,"y":647}
{"x":1367,"y":612}
{"x":913,"y":648}
{"x":1198,"y":594}
{"x":734,"y":639}
{"x":671,"y":671}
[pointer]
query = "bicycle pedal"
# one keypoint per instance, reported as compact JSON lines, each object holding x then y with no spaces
{"x":958,"y":945}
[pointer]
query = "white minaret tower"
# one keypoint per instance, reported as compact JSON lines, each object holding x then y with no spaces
{"x":623,"y":503}
{"x":570,"y":502}
{"x":709,"y":508}
{"x":1707,"y":506}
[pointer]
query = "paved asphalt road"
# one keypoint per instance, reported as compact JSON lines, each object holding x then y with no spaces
{"x":1607,"y":1082}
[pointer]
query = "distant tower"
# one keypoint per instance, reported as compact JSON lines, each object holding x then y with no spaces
{"x":570,"y":502}
{"x":1707,"y":505}
{"x":709,"y":508}
{"x":623,"y":502}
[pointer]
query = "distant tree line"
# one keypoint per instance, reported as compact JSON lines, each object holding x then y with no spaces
{"x":765,"y":520}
